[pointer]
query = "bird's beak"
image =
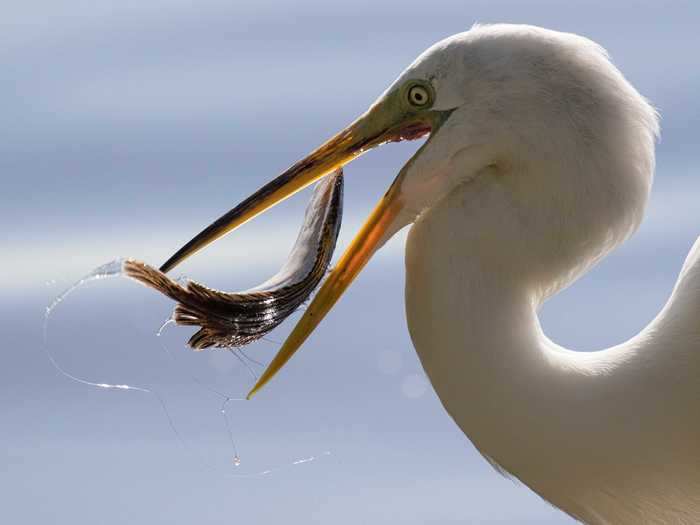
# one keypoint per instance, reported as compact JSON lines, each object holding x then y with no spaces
{"x":385,"y":121}
{"x":371,"y":236}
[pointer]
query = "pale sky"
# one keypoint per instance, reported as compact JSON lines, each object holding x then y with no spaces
{"x":131,"y":125}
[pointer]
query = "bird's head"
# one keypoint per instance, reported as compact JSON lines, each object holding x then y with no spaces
{"x":542,"y":115}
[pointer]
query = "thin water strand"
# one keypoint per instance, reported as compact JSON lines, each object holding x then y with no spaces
{"x":115,"y":268}
{"x":111,"y":269}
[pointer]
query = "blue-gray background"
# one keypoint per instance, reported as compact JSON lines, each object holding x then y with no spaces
{"x":129,"y":125}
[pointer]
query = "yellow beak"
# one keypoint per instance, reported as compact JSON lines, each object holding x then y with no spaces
{"x":385,"y":121}
{"x":380,"y":124}
{"x":361,"y":249}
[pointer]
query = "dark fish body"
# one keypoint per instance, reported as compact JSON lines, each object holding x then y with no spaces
{"x":236,"y":319}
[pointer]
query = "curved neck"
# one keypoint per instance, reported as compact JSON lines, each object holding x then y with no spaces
{"x":473,"y":321}
{"x":479,"y":264}
{"x":604,"y":421}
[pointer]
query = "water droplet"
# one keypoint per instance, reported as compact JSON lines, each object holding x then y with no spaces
{"x":162,"y":327}
{"x":236,"y":461}
{"x":111,"y":269}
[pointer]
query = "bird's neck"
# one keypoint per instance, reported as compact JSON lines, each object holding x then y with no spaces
{"x":473,"y":321}
{"x":472,"y":293}
{"x":475,"y":330}
{"x":479,"y":264}
{"x":612,"y":422}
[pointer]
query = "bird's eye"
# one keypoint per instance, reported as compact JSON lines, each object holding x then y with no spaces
{"x":418,"y":96}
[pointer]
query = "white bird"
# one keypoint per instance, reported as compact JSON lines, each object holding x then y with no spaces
{"x":539,"y":162}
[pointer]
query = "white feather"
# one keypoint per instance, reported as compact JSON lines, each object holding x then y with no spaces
{"x":544,"y":166}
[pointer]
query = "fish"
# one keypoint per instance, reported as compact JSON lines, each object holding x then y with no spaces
{"x":235,"y":319}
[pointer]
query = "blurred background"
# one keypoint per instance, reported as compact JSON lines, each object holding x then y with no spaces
{"x":131,"y":125}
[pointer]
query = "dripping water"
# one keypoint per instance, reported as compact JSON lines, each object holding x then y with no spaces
{"x":115,"y":268}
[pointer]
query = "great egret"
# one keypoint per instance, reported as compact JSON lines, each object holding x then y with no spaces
{"x":539,"y":161}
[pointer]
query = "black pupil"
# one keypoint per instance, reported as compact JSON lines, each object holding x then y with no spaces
{"x":418,"y":96}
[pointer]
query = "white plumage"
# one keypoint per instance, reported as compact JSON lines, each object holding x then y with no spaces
{"x":540,"y":161}
{"x":552,"y":163}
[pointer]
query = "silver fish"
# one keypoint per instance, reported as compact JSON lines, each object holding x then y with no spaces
{"x":232,"y":319}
